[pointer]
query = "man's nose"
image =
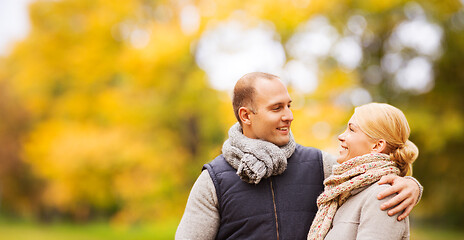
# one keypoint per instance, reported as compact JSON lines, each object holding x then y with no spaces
{"x":288,"y":115}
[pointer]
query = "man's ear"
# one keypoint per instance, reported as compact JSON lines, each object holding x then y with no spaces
{"x":244,"y":114}
{"x":379,"y":146}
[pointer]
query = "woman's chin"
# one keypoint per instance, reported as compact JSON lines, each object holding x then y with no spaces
{"x":342,"y":157}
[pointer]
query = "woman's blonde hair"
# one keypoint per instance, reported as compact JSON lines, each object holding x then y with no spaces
{"x":383,"y":121}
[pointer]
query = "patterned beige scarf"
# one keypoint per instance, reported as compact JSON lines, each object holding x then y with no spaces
{"x":355,"y":173}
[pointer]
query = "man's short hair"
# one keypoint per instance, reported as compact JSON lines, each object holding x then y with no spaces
{"x":244,"y":91}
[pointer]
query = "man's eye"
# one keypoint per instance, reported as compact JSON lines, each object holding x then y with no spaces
{"x":276,"y":108}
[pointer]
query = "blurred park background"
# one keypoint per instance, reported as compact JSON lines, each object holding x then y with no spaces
{"x":109,"y":109}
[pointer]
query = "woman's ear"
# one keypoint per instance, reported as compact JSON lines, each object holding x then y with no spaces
{"x":244,"y":114}
{"x":379,"y":146}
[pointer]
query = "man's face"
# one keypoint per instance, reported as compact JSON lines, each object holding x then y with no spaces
{"x":273,"y":117}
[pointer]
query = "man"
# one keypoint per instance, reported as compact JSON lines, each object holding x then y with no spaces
{"x":264,"y":185}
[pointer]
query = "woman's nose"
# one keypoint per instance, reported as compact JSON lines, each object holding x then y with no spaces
{"x":341,"y":137}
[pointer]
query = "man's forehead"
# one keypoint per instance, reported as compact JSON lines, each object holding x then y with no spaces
{"x":266,"y":85}
{"x":273,"y":99}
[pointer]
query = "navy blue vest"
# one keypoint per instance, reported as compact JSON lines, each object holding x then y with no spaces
{"x":280,"y":207}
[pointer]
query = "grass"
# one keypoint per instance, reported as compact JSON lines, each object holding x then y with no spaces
{"x":430,"y":233}
{"x":24,"y":230}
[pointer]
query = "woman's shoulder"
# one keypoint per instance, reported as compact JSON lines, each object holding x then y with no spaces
{"x":366,"y":198}
{"x":372,"y":191}
{"x":368,"y":201}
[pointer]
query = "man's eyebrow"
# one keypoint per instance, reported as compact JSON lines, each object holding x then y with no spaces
{"x":279,"y":103}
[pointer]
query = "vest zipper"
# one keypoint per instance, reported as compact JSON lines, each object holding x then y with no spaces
{"x":275,"y":209}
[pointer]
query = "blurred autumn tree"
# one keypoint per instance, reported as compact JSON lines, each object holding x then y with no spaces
{"x":106,"y":113}
{"x":113,"y":129}
{"x":18,"y":186}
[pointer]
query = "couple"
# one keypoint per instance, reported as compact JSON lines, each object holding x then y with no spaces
{"x":265,"y":186}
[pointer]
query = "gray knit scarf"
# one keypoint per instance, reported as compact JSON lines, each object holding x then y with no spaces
{"x":255,"y":159}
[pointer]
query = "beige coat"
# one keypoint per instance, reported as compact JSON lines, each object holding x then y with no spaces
{"x":360,"y":217}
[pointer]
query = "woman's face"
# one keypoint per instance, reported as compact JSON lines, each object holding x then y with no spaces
{"x":354,"y":142}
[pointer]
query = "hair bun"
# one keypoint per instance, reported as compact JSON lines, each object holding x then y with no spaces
{"x":407,"y":153}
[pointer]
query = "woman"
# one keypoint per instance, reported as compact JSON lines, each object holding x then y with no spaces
{"x":374,"y":144}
